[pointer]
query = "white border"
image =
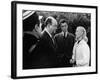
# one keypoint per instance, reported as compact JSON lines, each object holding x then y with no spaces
{"x":35,"y":72}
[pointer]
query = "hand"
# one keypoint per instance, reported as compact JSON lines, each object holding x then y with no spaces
{"x":72,"y":61}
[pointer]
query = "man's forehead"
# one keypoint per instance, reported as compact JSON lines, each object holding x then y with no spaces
{"x":62,"y":24}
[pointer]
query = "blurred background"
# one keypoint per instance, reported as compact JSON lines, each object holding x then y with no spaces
{"x":73,"y":20}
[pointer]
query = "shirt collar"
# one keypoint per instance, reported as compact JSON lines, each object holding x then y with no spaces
{"x":65,"y":33}
{"x":48,"y":32}
{"x":80,"y":41}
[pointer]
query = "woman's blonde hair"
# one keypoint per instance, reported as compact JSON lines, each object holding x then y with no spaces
{"x":84,"y":36}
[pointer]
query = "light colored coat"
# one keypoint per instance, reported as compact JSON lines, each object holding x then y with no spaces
{"x":81,"y":53}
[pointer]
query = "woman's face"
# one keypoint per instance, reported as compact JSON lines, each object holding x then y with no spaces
{"x":79,"y":32}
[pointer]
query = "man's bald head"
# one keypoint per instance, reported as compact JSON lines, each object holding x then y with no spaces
{"x":51,"y":23}
{"x":50,"y":20}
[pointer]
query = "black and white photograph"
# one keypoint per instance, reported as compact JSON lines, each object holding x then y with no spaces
{"x":56,"y":39}
{"x":53,"y":39}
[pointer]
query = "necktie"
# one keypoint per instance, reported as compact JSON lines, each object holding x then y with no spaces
{"x":53,"y":41}
{"x":64,"y":35}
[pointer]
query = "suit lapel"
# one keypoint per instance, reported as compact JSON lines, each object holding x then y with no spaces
{"x":50,"y":40}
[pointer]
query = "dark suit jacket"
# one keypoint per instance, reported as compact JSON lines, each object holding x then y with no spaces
{"x":64,"y":46}
{"x":45,"y":52}
{"x":28,"y":41}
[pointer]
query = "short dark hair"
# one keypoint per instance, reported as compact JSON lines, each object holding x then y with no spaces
{"x":62,"y":21}
{"x":30,"y":22}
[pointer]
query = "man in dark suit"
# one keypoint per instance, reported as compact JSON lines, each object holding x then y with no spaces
{"x":31,"y":35}
{"x":64,"y":45}
{"x":45,"y":50}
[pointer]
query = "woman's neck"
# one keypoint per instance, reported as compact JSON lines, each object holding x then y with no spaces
{"x":79,"y":39}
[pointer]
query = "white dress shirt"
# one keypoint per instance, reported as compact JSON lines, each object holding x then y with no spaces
{"x":81,"y":53}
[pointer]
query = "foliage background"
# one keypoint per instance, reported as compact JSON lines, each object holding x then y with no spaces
{"x":73,"y":19}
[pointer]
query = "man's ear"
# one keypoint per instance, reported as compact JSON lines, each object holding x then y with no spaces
{"x":48,"y":25}
{"x":36,"y":26}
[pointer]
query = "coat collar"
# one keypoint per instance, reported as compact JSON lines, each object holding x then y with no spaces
{"x":81,"y":42}
{"x":48,"y":32}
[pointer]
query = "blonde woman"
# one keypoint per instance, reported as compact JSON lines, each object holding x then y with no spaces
{"x":81,"y":51}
